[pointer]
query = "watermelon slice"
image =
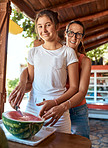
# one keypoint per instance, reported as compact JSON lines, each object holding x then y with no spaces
{"x":22,"y":126}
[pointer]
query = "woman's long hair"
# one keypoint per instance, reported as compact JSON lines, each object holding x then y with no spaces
{"x":81,"y":48}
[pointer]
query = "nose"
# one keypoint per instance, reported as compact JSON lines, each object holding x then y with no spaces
{"x":44,"y":29}
{"x":74,"y":36}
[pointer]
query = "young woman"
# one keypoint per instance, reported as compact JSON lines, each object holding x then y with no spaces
{"x":47,"y":69}
{"x":77,"y":103}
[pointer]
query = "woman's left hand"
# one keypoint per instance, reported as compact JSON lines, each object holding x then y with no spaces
{"x":47,"y":104}
{"x":54,"y":113}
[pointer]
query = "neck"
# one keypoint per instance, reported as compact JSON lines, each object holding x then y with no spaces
{"x":52,"y":45}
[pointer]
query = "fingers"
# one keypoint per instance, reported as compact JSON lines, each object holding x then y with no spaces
{"x":16,"y":96}
{"x":55,"y":113}
{"x":57,"y":118}
{"x":41,"y":113}
{"x":41,"y":103}
{"x":50,"y":121}
{"x":22,"y":95}
{"x":12,"y":104}
{"x":48,"y":115}
{"x":13,"y":94}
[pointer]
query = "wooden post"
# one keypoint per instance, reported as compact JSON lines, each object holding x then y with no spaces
{"x":4,"y":25}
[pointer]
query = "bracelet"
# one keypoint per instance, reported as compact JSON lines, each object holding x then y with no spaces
{"x":55,"y":101}
{"x":69,"y":103}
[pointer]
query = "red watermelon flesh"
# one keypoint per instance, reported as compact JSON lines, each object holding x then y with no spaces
{"x":26,"y":116}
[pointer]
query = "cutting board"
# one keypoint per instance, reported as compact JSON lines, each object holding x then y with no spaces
{"x":34,"y":140}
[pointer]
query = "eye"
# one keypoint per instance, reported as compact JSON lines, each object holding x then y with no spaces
{"x":39,"y":26}
{"x":71,"y":32}
{"x":79,"y":35}
{"x":48,"y":24}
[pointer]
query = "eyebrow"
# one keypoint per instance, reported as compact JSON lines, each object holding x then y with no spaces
{"x":75,"y":32}
{"x":46,"y":23}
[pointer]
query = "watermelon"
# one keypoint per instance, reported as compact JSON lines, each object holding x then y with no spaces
{"x":22,"y":127}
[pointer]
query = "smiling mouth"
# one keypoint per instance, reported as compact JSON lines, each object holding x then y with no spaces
{"x":44,"y":34}
{"x":73,"y":42}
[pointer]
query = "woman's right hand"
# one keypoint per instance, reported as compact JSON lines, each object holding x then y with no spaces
{"x":54,"y":114}
{"x":17,"y":95}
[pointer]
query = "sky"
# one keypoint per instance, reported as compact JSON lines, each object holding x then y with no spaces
{"x":17,"y":51}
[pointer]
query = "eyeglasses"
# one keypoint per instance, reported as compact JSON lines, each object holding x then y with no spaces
{"x":77,"y":34}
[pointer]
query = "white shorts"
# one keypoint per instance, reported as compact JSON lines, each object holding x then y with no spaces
{"x":63,"y":124}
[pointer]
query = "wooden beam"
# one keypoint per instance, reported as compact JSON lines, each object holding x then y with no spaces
{"x":24,"y":7}
{"x":96,"y":43}
{"x":3,"y":51}
{"x":87,"y":18}
{"x":96,"y":36}
{"x":96,"y":28}
{"x":68,"y":4}
{"x":95,"y":46}
{"x":3,"y":1}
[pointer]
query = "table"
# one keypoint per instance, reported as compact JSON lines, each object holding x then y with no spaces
{"x":58,"y":140}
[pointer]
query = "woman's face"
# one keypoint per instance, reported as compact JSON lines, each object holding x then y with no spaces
{"x":46,"y":28}
{"x":73,"y":40}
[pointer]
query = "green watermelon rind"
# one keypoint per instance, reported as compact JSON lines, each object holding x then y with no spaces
{"x":19,"y":129}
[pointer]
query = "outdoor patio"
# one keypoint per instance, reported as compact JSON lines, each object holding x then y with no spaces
{"x":99,"y":133}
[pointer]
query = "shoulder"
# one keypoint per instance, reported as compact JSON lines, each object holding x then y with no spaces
{"x":68,"y":49}
{"x":34,"y":50}
{"x":86,"y":59}
{"x":86,"y":62}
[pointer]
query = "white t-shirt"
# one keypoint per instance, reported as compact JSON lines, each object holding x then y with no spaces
{"x":50,"y":69}
{"x":50,"y":73}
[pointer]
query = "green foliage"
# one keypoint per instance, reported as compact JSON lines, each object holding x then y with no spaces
{"x":11,"y":84}
{"x":27,"y":25}
{"x":97,"y":53}
{"x":16,"y":16}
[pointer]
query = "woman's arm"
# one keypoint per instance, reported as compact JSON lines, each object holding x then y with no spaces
{"x":83,"y":85}
{"x":73,"y":81}
{"x":24,"y":79}
{"x":57,"y":111}
{"x":25,"y":85}
{"x":73,"y":75}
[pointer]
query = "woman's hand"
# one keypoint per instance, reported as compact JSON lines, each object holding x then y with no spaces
{"x":17,"y":94}
{"x":47,"y":104}
{"x":54,"y":113}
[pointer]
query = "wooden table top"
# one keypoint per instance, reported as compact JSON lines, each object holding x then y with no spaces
{"x":57,"y":140}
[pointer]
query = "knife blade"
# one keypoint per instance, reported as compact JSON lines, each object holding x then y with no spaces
{"x":17,"y":109}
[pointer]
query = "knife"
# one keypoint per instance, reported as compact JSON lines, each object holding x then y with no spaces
{"x":17,"y":109}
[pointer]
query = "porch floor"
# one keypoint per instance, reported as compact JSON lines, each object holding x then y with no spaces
{"x":99,"y":133}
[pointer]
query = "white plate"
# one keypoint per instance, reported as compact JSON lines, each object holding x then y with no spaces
{"x":36,"y":139}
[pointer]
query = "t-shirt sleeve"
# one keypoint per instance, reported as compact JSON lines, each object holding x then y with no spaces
{"x":30,"y":58}
{"x":71,"y":56}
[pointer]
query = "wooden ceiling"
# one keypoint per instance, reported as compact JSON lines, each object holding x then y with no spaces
{"x":93,"y":14}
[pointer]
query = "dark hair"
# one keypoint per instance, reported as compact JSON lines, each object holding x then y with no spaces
{"x":81,"y":48}
{"x":51,"y":14}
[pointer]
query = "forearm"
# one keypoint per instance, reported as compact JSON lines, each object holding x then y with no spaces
{"x":67,"y":95}
{"x":24,"y":79}
{"x":28,"y":87}
{"x":24,"y":76}
{"x":74,"y":101}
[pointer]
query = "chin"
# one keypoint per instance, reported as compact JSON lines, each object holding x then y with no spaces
{"x":72,"y":46}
